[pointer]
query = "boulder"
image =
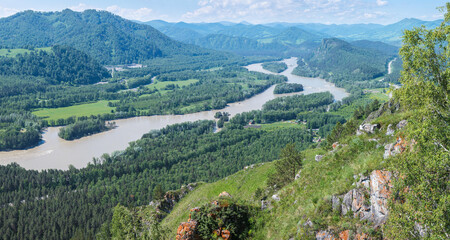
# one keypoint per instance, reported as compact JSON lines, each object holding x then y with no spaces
{"x":389,"y":130}
{"x":402,"y":124}
{"x":344,"y":235}
{"x":380,"y":190}
{"x":171,"y":198}
{"x":325,"y":235}
{"x":393,"y":149}
{"x":318,"y":158}
{"x":369,"y":128}
{"x":225,"y":194}
{"x":188,"y":231}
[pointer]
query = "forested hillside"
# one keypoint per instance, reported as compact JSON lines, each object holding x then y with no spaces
{"x":58,"y":65}
{"x":346,"y":65}
{"x":107,"y":38}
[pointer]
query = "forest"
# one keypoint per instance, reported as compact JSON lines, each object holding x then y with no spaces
{"x":275,"y":67}
{"x":288,"y":88}
{"x":346,"y":65}
{"x":82,"y":128}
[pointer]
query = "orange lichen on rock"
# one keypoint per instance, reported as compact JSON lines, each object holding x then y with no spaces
{"x":362,"y":236}
{"x":188,"y":231}
{"x":344,"y":235}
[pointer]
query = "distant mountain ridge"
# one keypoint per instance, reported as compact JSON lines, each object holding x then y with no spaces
{"x":108,"y":38}
{"x":390,"y":34}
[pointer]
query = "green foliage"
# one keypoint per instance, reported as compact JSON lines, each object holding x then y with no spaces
{"x":139,"y":223}
{"x":345,"y":65}
{"x":284,"y":108}
{"x":224,"y":214}
{"x":275,"y":67}
{"x":422,"y":193}
{"x":287,"y":167}
{"x":82,"y":128}
{"x":106,"y":37}
{"x":288,"y":88}
{"x":158,"y":192}
{"x":60,"y":65}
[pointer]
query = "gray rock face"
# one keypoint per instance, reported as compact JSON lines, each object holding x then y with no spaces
{"x":363,"y":181}
{"x":324,"y":235}
{"x":380,"y":190}
{"x":172,"y":197}
{"x":335,"y":203}
{"x":393,"y":149}
{"x":388,"y":148}
{"x":369,"y":128}
{"x":390,"y":131}
{"x":318,"y":158}
{"x":347,"y":202}
{"x":402,"y":124}
{"x":369,"y":200}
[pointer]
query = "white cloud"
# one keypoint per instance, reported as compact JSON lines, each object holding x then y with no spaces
{"x":81,"y":7}
{"x":259,"y":11}
{"x":6,"y":12}
{"x":141,"y":14}
{"x":381,"y":2}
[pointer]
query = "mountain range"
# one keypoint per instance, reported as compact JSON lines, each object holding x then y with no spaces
{"x":108,"y":38}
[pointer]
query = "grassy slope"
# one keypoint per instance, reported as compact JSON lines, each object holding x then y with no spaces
{"x":87,"y":109}
{"x":241,"y":185}
{"x":13,"y":52}
{"x":306,"y":198}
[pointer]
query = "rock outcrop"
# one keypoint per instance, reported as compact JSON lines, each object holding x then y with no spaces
{"x":393,"y":149}
{"x":344,"y":235}
{"x":368,"y":128}
{"x":380,"y":190}
{"x":369,"y":200}
{"x":402,"y":124}
{"x":325,"y":235}
{"x":390,"y":131}
{"x":188,"y":231}
{"x":318,"y":158}
{"x":171,"y":198}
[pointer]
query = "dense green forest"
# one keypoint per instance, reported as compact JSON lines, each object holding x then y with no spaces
{"x":82,"y":128}
{"x":345,"y":65}
{"x":106,"y":37}
{"x":288,"y":88}
{"x":275,"y":67}
{"x":60,"y":65}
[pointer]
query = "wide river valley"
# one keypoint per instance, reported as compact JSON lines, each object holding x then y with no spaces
{"x":57,"y":153}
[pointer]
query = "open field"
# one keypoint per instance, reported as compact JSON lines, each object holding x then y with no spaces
{"x":87,"y":109}
{"x":14,"y":52}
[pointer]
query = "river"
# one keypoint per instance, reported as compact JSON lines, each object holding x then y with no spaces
{"x":58,"y":153}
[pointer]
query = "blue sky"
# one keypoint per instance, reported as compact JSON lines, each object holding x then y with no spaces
{"x":254,"y":11}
